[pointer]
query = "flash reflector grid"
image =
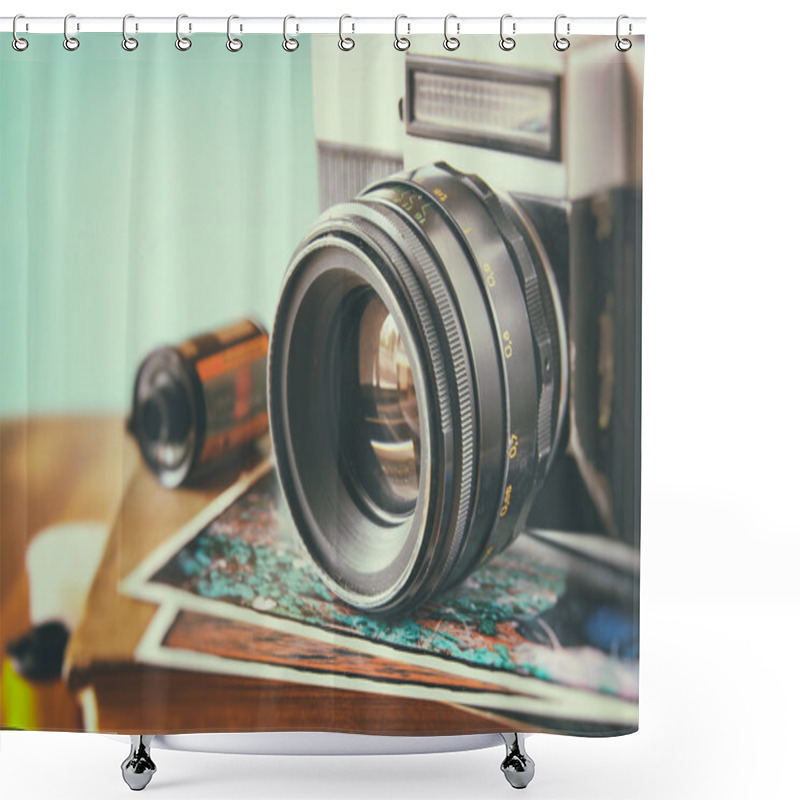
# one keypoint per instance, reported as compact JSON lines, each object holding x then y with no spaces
{"x":499,"y":108}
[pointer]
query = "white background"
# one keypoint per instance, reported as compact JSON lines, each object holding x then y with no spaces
{"x":720,"y":534}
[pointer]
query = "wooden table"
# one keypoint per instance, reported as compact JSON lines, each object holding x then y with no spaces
{"x":52,"y":470}
{"x":61,"y":469}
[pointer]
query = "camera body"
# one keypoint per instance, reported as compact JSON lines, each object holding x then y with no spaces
{"x":570,"y":160}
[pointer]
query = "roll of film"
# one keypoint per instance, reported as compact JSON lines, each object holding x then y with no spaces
{"x":197,"y":403}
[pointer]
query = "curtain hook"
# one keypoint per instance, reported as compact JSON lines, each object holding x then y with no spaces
{"x":507,"y":42}
{"x":451,"y":42}
{"x":233,"y":44}
{"x":401,"y":42}
{"x":623,"y":45}
{"x":18,"y":43}
{"x":128,"y":42}
{"x":181,"y":42}
{"x":561,"y":43}
{"x":70,"y":42}
{"x":289,"y":43}
{"x":345,"y":42}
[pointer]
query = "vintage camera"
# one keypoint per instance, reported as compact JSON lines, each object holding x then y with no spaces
{"x":456,"y":349}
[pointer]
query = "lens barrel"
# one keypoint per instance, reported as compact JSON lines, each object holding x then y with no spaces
{"x":417,"y":384}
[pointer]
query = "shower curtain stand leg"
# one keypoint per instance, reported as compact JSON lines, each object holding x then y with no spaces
{"x":138,"y":768}
{"x":517,"y":766}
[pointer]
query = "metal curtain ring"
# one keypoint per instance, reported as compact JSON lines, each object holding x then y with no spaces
{"x":233,"y":44}
{"x":561,"y":43}
{"x":18,"y":43}
{"x":507,"y":42}
{"x":70,"y":42}
{"x":400,"y":42}
{"x":289,"y":44}
{"x":128,"y":42}
{"x":451,"y":42}
{"x":623,"y":45}
{"x":345,"y":42}
{"x":182,"y":42}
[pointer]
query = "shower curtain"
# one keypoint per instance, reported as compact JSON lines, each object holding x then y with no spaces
{"x":320,"y":385}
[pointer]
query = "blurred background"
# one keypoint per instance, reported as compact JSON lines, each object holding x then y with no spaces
{"x":105,"y":157}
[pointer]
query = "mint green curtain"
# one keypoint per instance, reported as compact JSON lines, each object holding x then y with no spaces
{"x":145,"y":196}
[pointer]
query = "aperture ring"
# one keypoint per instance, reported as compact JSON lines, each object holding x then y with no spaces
{"x":455,"y":383}
{"x":534,"y":285}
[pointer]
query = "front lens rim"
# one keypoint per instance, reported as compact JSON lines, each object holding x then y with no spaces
{"x":301,"y":485}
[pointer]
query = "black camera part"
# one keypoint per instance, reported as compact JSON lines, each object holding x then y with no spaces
{"x":418,"y":384}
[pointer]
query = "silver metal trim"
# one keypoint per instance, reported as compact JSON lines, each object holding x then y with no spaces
{"x":71,"y":43}
{"x":623,"y":45}
{"x":451,"y":42}
{"x":315,"y":743}
{"x":346,"y":43}
{"x":183,"y":43}
{"x":17,"y":42}
{"x":129,"y":43}
{"x":290,"y":44}
{"x":517,"y":766}
{"x":507,"y":42}
{"x":561,"y":43}
{"x":233,"y":44}
{"x":401,"y":43}
{"x":138,"y":768}
{"x":592,"y":26}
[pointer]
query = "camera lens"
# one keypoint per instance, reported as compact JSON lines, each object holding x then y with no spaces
{"x":385,"y":454}
{"x":417,"y":384}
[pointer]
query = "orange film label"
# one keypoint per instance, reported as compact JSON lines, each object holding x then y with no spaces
{"x":237,"y":330}
{"x":233,"y":357}
{"x":221,"y":443}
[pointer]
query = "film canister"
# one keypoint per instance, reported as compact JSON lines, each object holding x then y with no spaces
{"x":196,"y":403}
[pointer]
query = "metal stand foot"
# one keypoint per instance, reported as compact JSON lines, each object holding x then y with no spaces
{"x":517,"y":766}
{"x":138,"y":768}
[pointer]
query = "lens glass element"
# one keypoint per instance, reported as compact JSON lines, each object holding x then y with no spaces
{"x":388,"y":417}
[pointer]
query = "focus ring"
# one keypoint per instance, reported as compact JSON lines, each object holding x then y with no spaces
{"x":462,"y":385}
{"x":540,"y":322}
